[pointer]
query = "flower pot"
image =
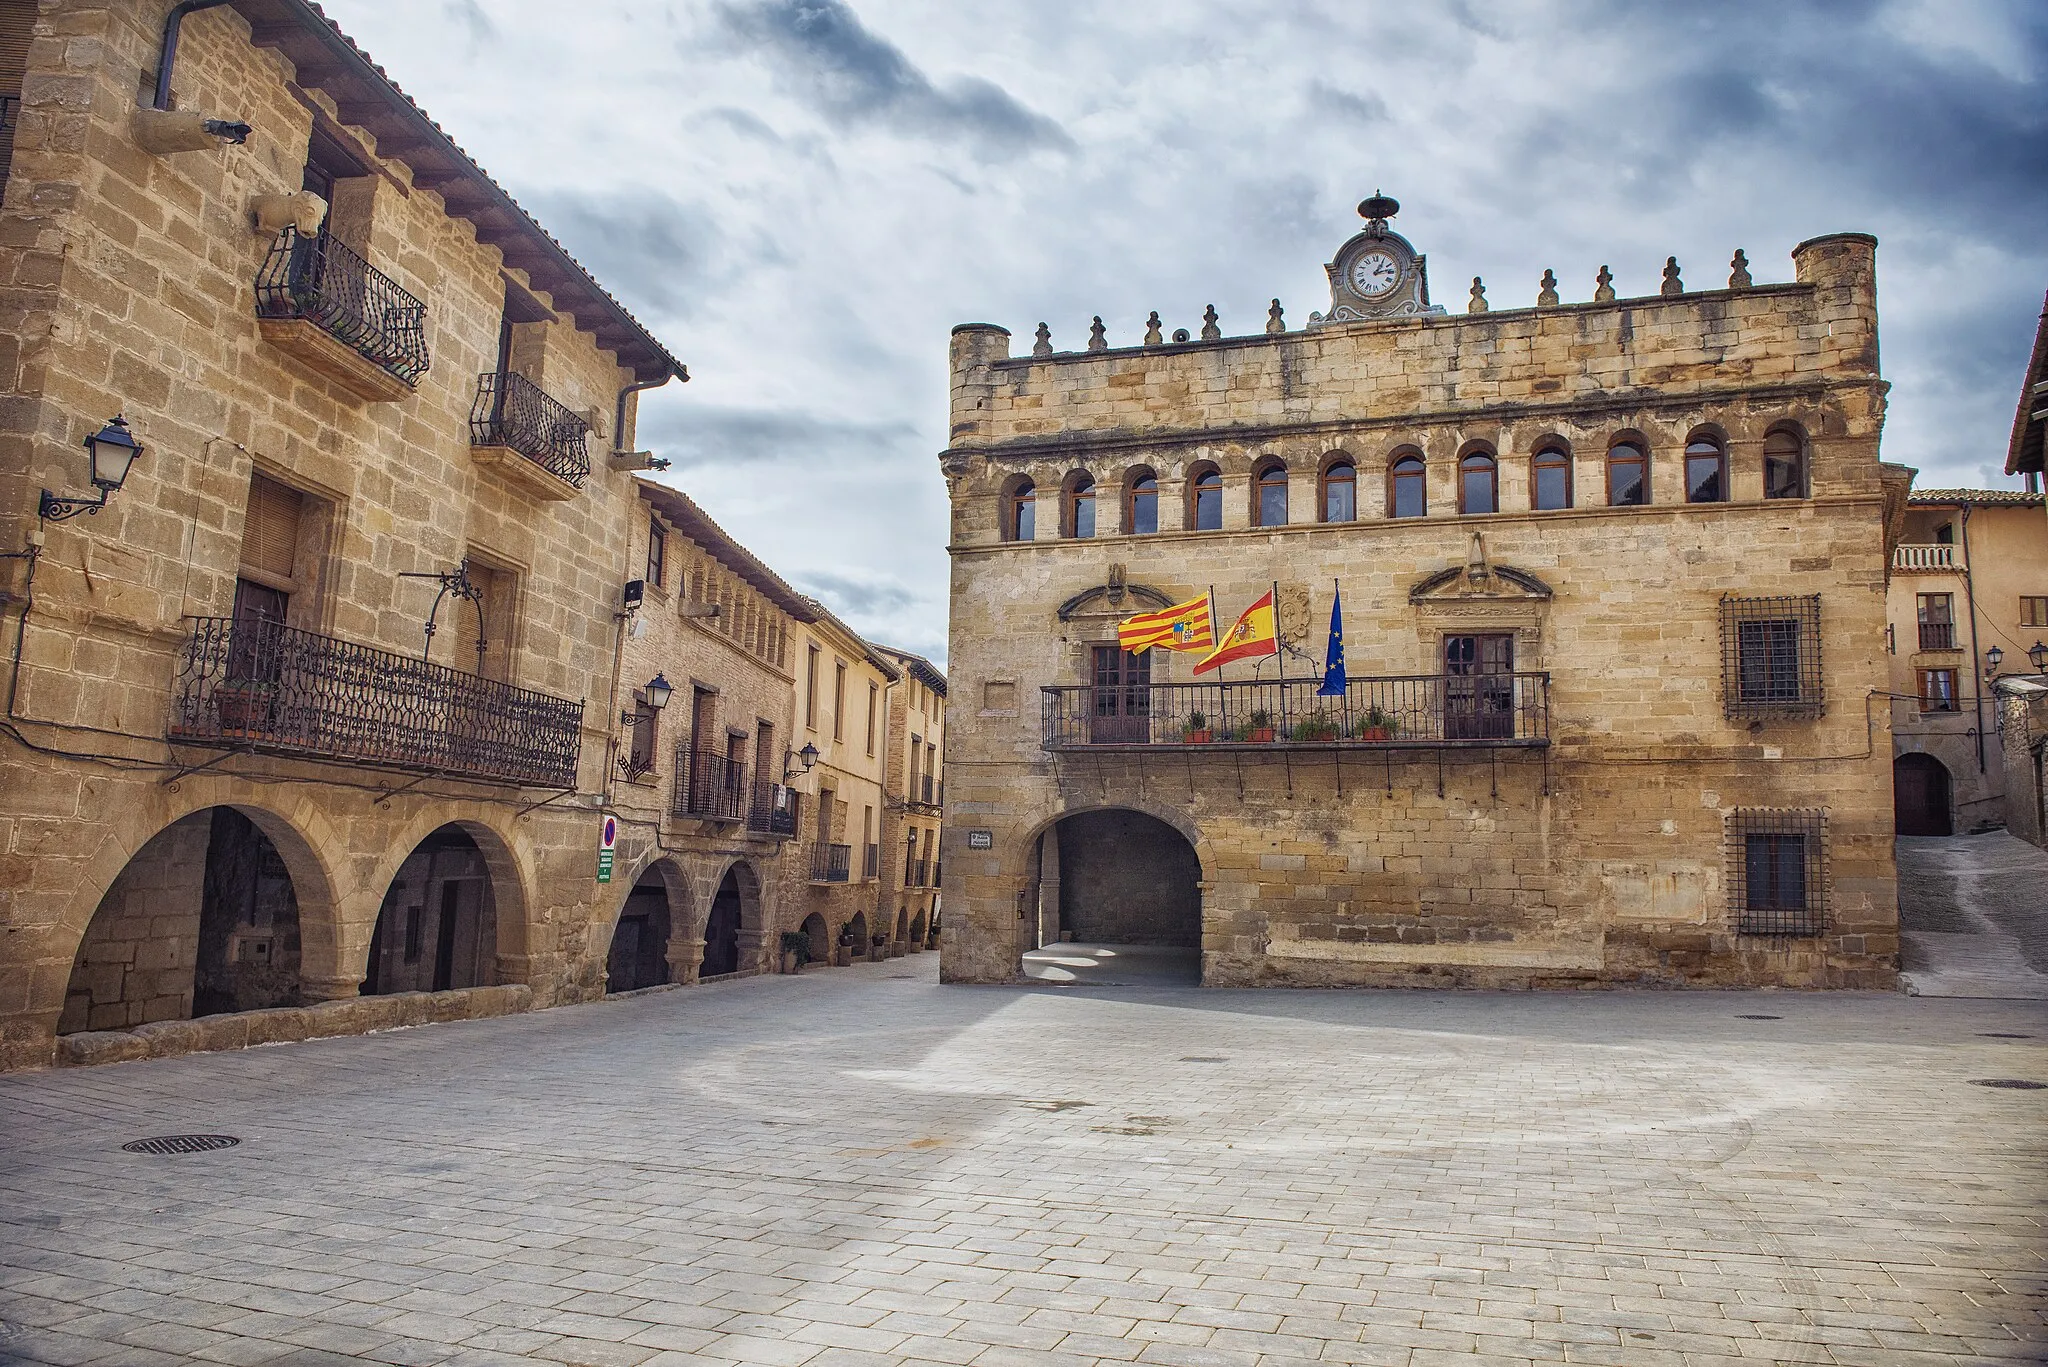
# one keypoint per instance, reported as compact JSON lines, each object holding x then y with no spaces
{"x":1261,"y":735}
{"x":243,"y":711}
{"x":1375,"y":733}
{"x":1200,"y":737}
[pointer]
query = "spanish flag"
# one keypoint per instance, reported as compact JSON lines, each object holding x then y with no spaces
{"x":1184,"y":626}
{"x":1256,"y":634}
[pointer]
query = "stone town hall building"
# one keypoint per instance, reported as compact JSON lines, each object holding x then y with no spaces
{"x":1613,"y":579}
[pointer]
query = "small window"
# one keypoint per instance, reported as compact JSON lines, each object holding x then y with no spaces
{"x":874,"y":693}
{"x":1628,"y":475}
{"x":1938,"y":690}
{"x":1551,"y":479}
{"x":1081,"y":507}
{"x":1206,"y":496}
{"x":646,"y":732}
{"x":1407,"y":495}
{"x":657,"y":554}
{"x":1141,"y":504}
{"x":1269,"y":501}
{"x":1945,"y":534}
{"x":1020,"y":521}
{"x":811,"y":687}
{"x":1784,"y":464}
{"x":1478,"y":484}
{"x":1937,"y":621}
{"x":839,"y":700}
{"x":1340,"y":491}
{"x":1706,"y":471}
{"x":2034,"y":612}
{"x":1770,"y":656}
{"x":1775,"y":875}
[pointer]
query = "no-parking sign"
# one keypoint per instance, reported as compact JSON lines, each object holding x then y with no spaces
{"x":607,"y":842}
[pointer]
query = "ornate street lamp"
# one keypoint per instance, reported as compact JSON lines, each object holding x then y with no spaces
{"x":658,"y":691}
{"x":2038,"y":653}
{"x":114,"y":451}
{"x":1993,"y":658}
{"x":808,"y":757}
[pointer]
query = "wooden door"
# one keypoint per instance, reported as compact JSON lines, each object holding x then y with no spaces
{"x":1479,"y":687}
{"x":1120,"y":702}
{"x":1920,"y":796}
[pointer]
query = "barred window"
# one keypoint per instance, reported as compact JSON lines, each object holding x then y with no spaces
{"x":1775,"y":875}
{"x":1770,"y":656}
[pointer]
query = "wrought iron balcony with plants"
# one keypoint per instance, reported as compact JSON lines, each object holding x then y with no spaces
{"x":514,"y":413}
{"x":1425,"y":711}
{"x":831,"y":863}
{"x":774,"y":810}
{"x":709,"y":786}
{"x":312,"y":278}
{"x":260,"y":685}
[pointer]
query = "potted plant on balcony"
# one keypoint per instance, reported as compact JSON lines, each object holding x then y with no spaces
{"x":1317,"y":726}
{"x":1375,"y":725}
{"x":1196,"y":732}
{"x":1259,"y":726}
{"x":796,"y":951}
{"x":243,"y":706}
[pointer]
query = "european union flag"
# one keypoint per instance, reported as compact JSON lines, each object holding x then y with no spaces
{"x":1334,"y":680}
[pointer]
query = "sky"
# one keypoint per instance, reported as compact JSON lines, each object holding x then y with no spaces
{"x":802,"y":197}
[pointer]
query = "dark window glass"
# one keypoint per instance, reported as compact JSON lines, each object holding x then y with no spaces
{"x":1784,"y":466}
{"x":1144,"y":509}
{"x":1208,"y":501}
{"x":1340,"y":492}
{"x":1775,"y":872}
{"x":1628,"y":472}
{"x":1272,"y":496}
{"x":1706,"y":473}
{"x":1553,"y":479}
{"x":1409,"y":496}
{"x":1022,"y":522}
{"x":1769,"y":660}
{"x":1477,"y":488}
{"x":657,"y":553}
{"x":1081,"y":516}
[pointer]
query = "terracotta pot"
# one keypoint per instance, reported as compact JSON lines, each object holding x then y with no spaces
{"x":1262,"y":735}
{"x":1376,"y":733}
{"x":1200,"y":737}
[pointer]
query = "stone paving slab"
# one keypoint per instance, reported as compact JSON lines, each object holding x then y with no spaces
{"x":863,"y":1167}
{"x":1973,"y":916}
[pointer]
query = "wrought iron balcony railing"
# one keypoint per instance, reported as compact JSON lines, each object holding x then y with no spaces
{"x":709,"y":785}
{"x":1937,"y":635}
{"x":923,"y":879}
{"x":774,"y":810}
{"x":1420,"y":711}
{"x":925,"y":794}
{"x":512,"y":411}
{"x":871,"y":862}
{"x":261,"y":685}
{"x":318,"y":279}
{"x":831,"y":863}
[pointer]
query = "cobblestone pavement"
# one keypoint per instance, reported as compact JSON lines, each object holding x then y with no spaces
{"x":860,"y":1167}
{"x":1973,"y":916}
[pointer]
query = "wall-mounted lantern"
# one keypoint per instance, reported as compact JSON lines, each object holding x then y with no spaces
{"x":1993,"y":658}
{"x":807,"y":757}
{"x":2038,"y":653}
{"x":113,"y":451}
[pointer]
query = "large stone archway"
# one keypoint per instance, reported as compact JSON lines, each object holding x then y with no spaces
{"x":1121,"y":877}
{"x":507,"y":862}
{"x":438,"y":926}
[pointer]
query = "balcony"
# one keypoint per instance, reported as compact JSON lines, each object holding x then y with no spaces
{"x":709,"y":786}
{"x":831,"y":863}
{"x":263,"y":686}
{"x":517,"y":429}
{"x":923,"y":869}
{"x":1938,"y":558}
{"x":333,"y":311}
{"x":1427,"y":711}
{"x":1937,"y":635}
{"x":773,"y":811}
{"x":926,"y":796}
{"x":871,"y":864}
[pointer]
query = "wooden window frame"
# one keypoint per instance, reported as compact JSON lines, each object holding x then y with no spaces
{"x":1936,"y":700}
{"x":1407,"y":464}
{"x":1470,"y":464}
{"x":1262,"y":479}
{"x":2034,"y":610}
{"x":1134,"y":489}
{"x":1538,"y":463}
{"x":1329,"y":479}
{"x":874,"y":695}
{"x":657,"y":554}
{"x":1702,"y":446}
{"x":839,"y":700}
{"x":1640,"y":458}
{"x":1080,"y":489}
{"x":1205,"y":478}
{"x":1802,"y":486}
{"x":811,"y":657}
{"x":1020,"y":499}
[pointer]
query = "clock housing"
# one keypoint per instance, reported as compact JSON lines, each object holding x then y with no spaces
{"x":1378,"y":274}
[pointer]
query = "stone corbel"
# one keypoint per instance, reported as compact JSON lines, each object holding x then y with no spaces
{"x":304,"y":211}
{"x":163,"y":131}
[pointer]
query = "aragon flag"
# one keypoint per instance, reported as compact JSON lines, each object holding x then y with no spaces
{"x":1184,"y":626}
{"x":1256,"y":634}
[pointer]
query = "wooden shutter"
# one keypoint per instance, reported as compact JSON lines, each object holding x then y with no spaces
{"x":270,"y":528}
{"x":495,"y":587}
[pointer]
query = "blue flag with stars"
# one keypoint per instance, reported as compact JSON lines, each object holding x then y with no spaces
{"x":1334,"y":680}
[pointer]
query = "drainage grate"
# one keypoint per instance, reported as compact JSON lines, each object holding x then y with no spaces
{"x":2000,"y":1034}
{"x":2018,"y":1083}
{"x":1759,"y":1018}
{"x":182,"y":1143}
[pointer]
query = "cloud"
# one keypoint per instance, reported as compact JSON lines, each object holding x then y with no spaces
{"x":857,"y":597}
{"x":470,"y":15}
{"x":652,"y":251}
{"x":834,"y":62}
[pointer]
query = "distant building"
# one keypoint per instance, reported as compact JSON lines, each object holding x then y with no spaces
{"x":1613,"y":581}
{"x":2023,"y":700}
{"x":916,"y":797}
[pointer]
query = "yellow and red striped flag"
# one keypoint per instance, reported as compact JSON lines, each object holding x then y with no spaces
{"x":1184,"y":626}
{"x":1257,"y":633}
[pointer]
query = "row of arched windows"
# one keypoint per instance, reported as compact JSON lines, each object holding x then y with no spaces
{"x":1551,"y":485}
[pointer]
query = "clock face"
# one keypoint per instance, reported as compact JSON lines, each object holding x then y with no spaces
{"x":1374,"y":273}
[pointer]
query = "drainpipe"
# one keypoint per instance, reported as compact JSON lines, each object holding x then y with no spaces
{"x":1976,"y":666}
{"x":619,"y":413}
{"x":167,"y":55}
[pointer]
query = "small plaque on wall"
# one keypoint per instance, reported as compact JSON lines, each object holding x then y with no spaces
{"x":981,"y":840}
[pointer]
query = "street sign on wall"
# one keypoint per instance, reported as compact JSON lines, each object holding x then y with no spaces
{"x":607,"y":844}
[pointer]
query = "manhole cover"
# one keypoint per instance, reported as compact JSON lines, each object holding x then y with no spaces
{"x":1203,"y":1058}
{"x":1759,"y":1018}
{"x":2000,"y":1034}
{"x":182,"y":1143}
{"x":2018,"y":1083}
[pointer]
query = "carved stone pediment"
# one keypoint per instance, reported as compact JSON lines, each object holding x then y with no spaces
{"x":1115,"y":597}
{"x":1478,"y":580}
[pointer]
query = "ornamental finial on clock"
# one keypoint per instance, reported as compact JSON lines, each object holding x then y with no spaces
{"x":1377,"y":210}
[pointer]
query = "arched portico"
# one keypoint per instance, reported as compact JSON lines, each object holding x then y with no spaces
{"x":506,"y":860}
{"x":438,"y":926}
{"x":1113,"y":874}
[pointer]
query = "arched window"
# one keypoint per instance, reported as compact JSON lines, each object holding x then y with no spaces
{"x":1081,"y":506}
{"x":1020,"y":521}
{"x":1550,"y":484}
{"x":1340,"y":491}
{"x":1205,"y":499}
{"x":1784,"y":464}
{"x":1706,"y":470}
{"x":1407,"y":495}
{"x":1628,"y":474}
{"x":1141,"y":502}
{"x":1478,"y":484}
{"x":1269,"y":495}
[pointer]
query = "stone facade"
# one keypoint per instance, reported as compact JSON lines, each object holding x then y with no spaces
{"x":130,"y":287}
{"x":1614,"y":827}
{"x":914,"y":801}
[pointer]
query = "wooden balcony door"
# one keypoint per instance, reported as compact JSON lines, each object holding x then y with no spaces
{"x":1120,"y":704}
{"x":1479,"y":687}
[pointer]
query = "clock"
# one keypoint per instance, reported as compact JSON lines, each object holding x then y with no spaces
{"x":1375,"y":273}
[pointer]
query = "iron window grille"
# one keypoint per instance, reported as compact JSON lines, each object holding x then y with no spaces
{"x":314,"y":277}
{"x":1770,"y":656}
{"x":1776,"y":872}
{"x":513,"y":411}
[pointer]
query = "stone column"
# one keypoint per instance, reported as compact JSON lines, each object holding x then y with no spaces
{"x":686,"y":958}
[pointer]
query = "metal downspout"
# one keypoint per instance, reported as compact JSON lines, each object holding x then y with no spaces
{"x":167,"y":54}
